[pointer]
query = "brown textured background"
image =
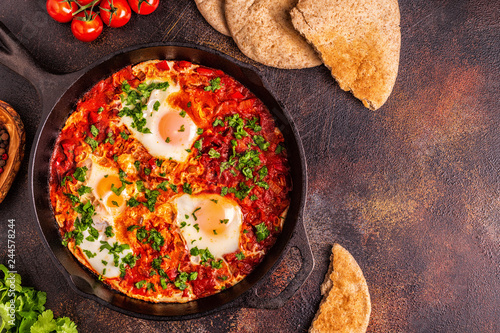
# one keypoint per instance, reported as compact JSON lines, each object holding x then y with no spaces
{"x":411,"y":190}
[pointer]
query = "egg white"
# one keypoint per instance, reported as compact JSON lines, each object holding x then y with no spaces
{"x":101,"y":259}
{"x":184,"y":133}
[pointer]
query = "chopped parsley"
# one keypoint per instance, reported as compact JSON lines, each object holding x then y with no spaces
{"x":140,"y":284}
{"x":216,"y":264}
{"x":84,"y":189}
{"x":194,"y":216}
{"x":261,"y":142}
{"x":240,"y":256}
{"x":66,"y":178}
{"x":198,"y":144}
{"x":205,"y":254}
{"x":252,"y":124}
{"x":152,"y":237}
{"x":180,"y":280}
{"x":124,"y":135}
{"x":89,"y":254}
{"x":110,"y":138}
{"x":92,"y":143}
{"x":94,"y":131}
{"x":132,"y":202}
{"x":263,"y":184}
{"x":156,"y":106}
{"x":187,"y":188}
{"x":215,"y":85}
{"x":261,"y":231}
{"x":213,"y":153}
{"x":80,"y":173}
{"x":135,"y":100}
{"x":218,"y":122}
{"x":109,"y":231}
{"x":151,"y":197}
{"x":182,"y":113}
{"x":74,"y":199}
{"x":163,"y":185}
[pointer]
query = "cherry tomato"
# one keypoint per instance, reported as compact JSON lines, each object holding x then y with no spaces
{"x":61,"y":11}
{"x":86,"y":26}
{"x":144,"y":7}
{"x":86,"y":2}
{"x":115,"y":13}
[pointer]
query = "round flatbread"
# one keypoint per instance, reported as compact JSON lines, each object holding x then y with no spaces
{"x":263,"y":31}
{"x":358,"y":40}
{"x":213,"y":12}
{"x":346,"y":304}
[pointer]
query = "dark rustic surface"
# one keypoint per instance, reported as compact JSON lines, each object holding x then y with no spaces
{"x":411,"y":190}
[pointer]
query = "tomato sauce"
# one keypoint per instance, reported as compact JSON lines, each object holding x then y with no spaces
{"x":252,"y":169}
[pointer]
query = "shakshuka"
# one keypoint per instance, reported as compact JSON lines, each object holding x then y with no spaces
{"x":169,"y":181}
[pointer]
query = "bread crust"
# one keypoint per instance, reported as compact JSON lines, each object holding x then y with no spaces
{"x":263,"y":31}
{"x":359,"y":41}
{"x":213,"y":12}
{"x":346,"y":304}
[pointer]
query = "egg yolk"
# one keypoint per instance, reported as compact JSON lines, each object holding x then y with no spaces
{"x":175,"y":129}
{"x":104,"y":189}
{"x":212,"y":218}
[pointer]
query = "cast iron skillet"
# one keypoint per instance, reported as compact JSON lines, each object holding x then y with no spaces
{"x":59,"y":94}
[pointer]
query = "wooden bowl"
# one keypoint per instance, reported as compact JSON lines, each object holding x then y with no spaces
{"x":17,"y":137}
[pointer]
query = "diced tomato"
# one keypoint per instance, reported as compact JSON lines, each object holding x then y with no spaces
{"x":204,"y":71}
{"x":163,"y":66}
{"x":181,"y":65}
{"x":236,"y":95}
{"x":152,"y":163}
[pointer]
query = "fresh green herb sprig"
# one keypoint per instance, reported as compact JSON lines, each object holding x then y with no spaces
{"x":30,"y":314}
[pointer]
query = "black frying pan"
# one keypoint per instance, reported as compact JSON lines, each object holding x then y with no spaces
{"x":59,"y":94}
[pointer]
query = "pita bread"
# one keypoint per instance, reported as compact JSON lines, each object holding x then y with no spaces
{"x":213,"y":12}
{"x":263,"y":31}
{"x":358,"y":41}
{"x":346,"y":305}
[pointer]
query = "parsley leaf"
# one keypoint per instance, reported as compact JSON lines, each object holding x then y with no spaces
{"x":261,"y":231}
{"x":213,"y":153}
{"x":187,"y":188}
{"x":80,"y":173}
{"x":215,"y":84}
{"x":92,"y":143}
{"x":84,"y":189}
{"x":94,"y":130}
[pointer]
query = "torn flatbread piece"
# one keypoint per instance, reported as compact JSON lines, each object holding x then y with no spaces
{"x":359,"y":41}
{"x":263,"y":31}
{"x":213,"y":12}
{"x":346,"y":305}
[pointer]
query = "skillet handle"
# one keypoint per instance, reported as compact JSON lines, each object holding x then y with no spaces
{"x":299,"y":240}
{"x":15,"y":56}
